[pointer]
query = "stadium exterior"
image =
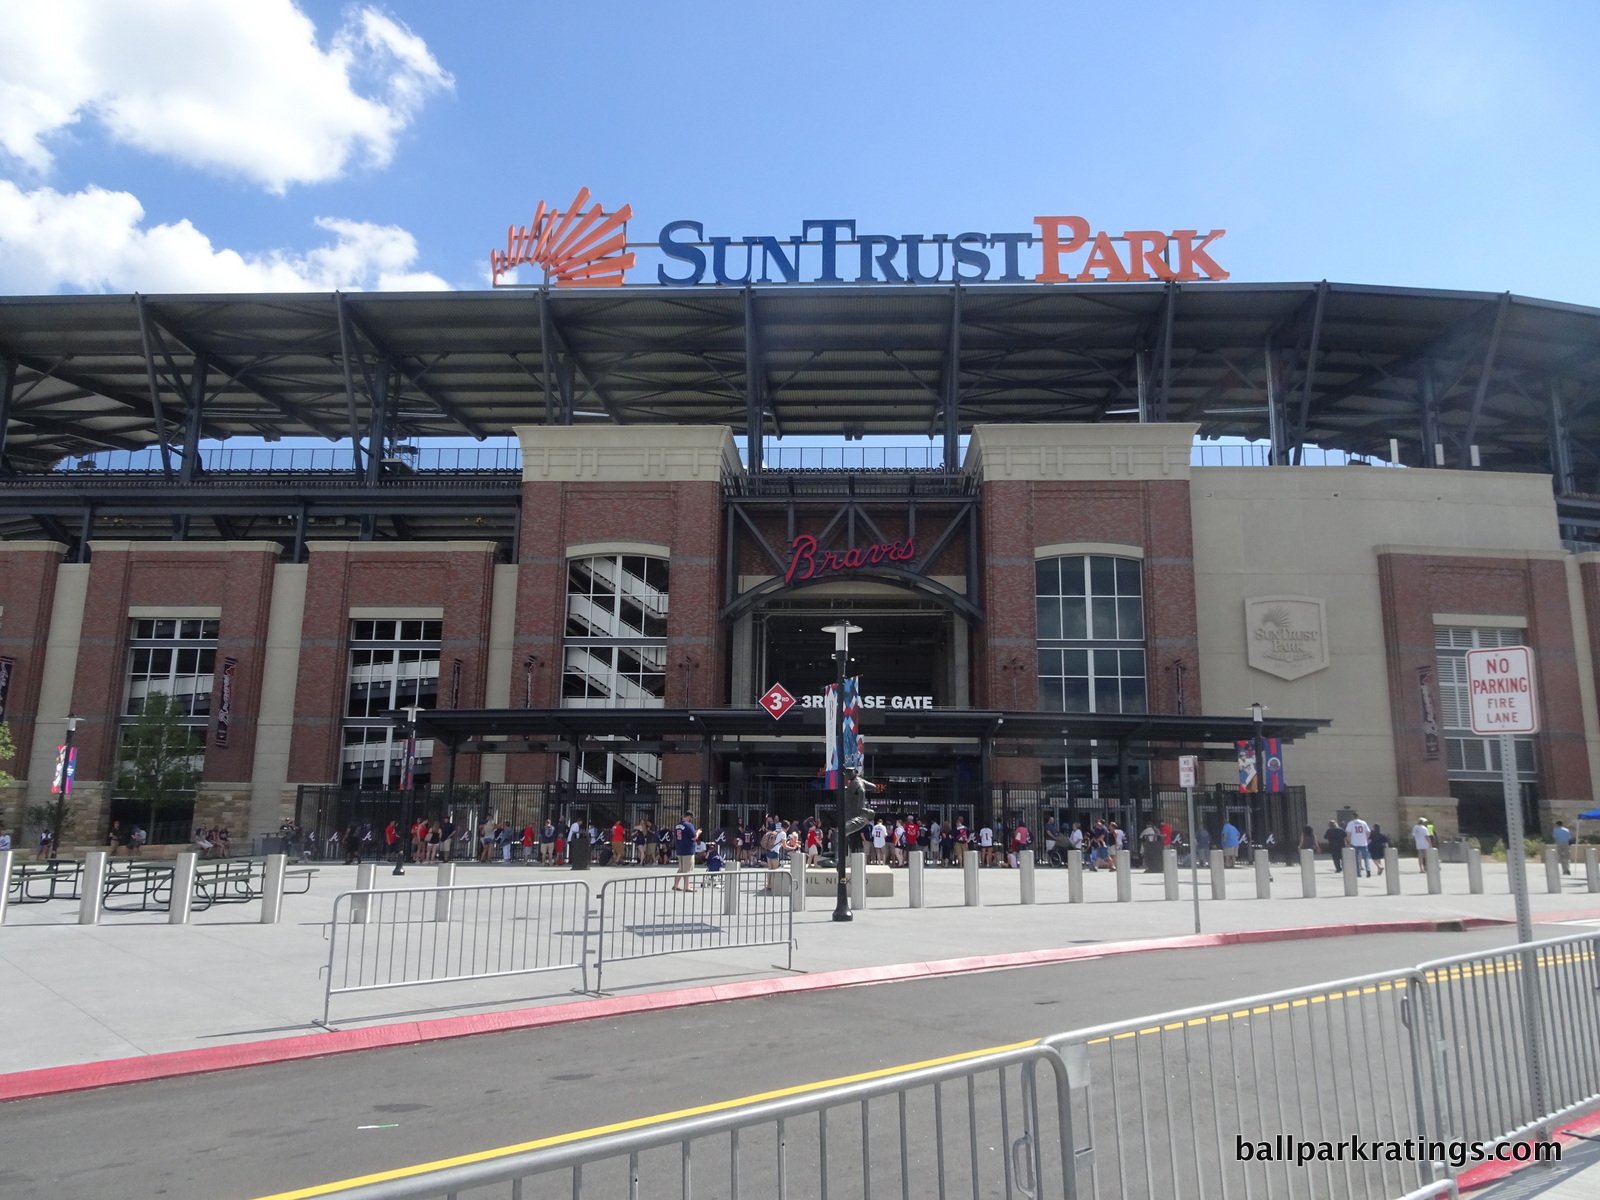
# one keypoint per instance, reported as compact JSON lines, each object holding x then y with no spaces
{"x":1055,"y":601}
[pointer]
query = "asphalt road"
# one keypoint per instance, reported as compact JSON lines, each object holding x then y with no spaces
{"x":248,"y":1133}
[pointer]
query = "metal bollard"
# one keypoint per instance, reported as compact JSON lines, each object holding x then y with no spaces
{"x":797,"y":882}
{"x":1263,"y":876}
{"x":914,"y":878}
{"x":969,"y":870}
{"x":1169,"y":873}
{"x":1591,"y":867}
{"x":94,"y":883}
{"x":1124,"y":878}
{"x":1391,"y":871}
{"x":730,"y":887}
{"x":1025,"y":875}
{"x":1434,"y":885}
{"x":1074,"y":876}
{"x":1474,"y":871}
{"x":441,"y":900}
{"x":1219,"y":877}
{"x":181,"y":903}
{"x":1308,"y":874}
{"x":1552,"y":871}
{"x":272,"y":888}
{"x":1351,"y":880}
{"x":358,"y":904}
{"x":858,"y":881}
{"x":5,"y":882}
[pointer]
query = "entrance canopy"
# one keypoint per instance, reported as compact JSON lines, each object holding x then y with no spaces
{"x":510,"y":730}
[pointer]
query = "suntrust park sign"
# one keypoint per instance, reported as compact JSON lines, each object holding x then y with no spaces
{"x":586,"y":246}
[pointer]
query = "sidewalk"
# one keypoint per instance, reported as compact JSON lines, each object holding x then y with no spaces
{"x":135,"y":985}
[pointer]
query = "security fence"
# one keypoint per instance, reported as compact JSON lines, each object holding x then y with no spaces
{"x":649,"y":915}
{"x":381,"y":939}
{"x":1248,"y":1098}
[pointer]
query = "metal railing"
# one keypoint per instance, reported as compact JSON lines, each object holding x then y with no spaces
{"x":650,"y":915}
{"x":277,"y":460}
{"x":1154,"y":1107}
{"x":381,"y":938}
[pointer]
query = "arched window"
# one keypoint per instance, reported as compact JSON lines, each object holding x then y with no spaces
{"x":1091,"y":634}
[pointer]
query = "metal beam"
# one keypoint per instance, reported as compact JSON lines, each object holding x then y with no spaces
{"x":546,"y":354}
{"x":8,"y":386}
{"x":575,"y":368}
{"x":1308,"y":379}
{"x":1560,"y":442}
{"x":414,"y":377}
{"x":1431,"y":437}
{"x":349,"y":383}
{"x":950,"y":408}
{"x":1484,"y":372}
{"x":1164,"y":410}
{"x":155,"y":390}
{"x":189,"y":465}
{"x":755,"y":383}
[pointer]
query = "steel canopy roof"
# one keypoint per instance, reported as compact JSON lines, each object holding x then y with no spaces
{"x":833,"y":360}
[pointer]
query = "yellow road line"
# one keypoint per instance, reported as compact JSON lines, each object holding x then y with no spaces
{"x":323,"y":1189}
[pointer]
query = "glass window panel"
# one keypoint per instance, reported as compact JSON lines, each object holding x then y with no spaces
{"x":1049,"y":618}
{"x":1130,"y":620}
{"x":1077,"y":694}
{"x":1072,"y":575}
{"x":1074,"y":621}
{"x":1106,"y":699}
{"x":1053,"y":694}
{"x":1453,"y":756}
{"x":1047,"y":577}
{"x":1133,"y":695}
{"x":208,"y":630}
{"x":1129,"y":571}
{"x":1076,"y":662}
{"x":1105,"y":662}
{"x":1104,"y":626}
{"x":1132,"y":663}
{"x":189,"y":629}
{"x":165,"y":629}
{"x":432,"y":631}
{"x":1102,"y":575}
{"x":655,"y":574}
{"x":1049,"y":662}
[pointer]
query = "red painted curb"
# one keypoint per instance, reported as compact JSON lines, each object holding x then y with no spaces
{"x":1587,"y":1124}
{"x":54,"y":1081}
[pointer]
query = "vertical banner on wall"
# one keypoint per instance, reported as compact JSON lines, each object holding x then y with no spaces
{"x":1430,"y":718}
{"x":850,"y":739}
{"x":7,"y":665}
{"x":455,"y":685}
{"x":409,"y":764}
{"x":1274,"y":773}
{"x":66,"y":768}
{"x":225,"y":703}
{"x":1248,"y":779}
{"x":830,"y":736}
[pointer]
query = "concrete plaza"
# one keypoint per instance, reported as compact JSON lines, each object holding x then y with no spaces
{"x":135,"y":985}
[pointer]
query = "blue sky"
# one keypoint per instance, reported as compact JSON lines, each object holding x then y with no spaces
{"x":1427,"y":144}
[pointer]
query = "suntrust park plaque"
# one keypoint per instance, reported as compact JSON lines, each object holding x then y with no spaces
{"x":1286,"y":636}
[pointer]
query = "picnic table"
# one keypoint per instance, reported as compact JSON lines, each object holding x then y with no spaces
{"x":137,"y":886}
{"x":37,"y":882}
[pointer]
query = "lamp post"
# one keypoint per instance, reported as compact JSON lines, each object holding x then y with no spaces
{"x":1257,"y":714}
{"x":841,"y":630}
{"x":408,"y":785}
{"x":63,"y":788}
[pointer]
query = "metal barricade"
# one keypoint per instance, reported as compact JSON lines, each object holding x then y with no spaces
{"x":991,"y":1123}
{"x":403,"y":938}
{"x":1164,"y":1105}
{"x":1514,"y":1038}
{"x":656,"y":914}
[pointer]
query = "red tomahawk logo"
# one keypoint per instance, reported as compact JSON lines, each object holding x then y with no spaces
{"x":777,"y":701}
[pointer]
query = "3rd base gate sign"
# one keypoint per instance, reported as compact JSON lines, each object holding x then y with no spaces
{"x":1500,"y":686}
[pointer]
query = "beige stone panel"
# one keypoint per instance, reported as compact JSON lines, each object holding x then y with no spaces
{"x":628,"y":453}
{"x":497,"y":672}
{"x":280,"y":673}
{"x":1315,"y":531}
{"x":60,"y":670}
{"x":1081,"y":452}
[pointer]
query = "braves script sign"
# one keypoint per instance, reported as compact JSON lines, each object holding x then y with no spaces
{"x":1500,"y":687}
{"x":807,"y":562}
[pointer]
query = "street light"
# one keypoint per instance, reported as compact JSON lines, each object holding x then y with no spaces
{"x":408,"y":785}
{"x":841,"y":630}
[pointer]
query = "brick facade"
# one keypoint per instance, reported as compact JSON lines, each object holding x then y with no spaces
{"x":27,"y":592}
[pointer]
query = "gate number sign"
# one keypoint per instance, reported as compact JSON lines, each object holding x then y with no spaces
{"x":777,"y":701}
{"x":1500,"y":686}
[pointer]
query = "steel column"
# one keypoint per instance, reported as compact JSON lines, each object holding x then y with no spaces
{"x":755,"y":380}
{"x":1468,"y":438}
{"x":1275,"y":448}
{"x":1310,"y":376}
{"x":546,"y":356}
{"x":1560,"y":442}
{"x":192,"y":425}
{"x":1429,"y":414}
{"x":349,"y":385}
{"x":8,"y":385}
{"x":1164,"y":409}
{"x":377,"y":421}
{"x":155,"y":387}
{"x":950,"y":423}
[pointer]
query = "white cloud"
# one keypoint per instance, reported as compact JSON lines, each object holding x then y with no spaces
{"x":94,"y":241}
{"x":239,"y":86}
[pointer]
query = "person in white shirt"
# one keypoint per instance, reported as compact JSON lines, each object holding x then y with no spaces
{"x":1423,"y":839}
{"x":985,"y":846}
{"x":1356,"y":832}
{"x":935,"y":834}
{"x":5,"y":841}
{"x":880,"y":838}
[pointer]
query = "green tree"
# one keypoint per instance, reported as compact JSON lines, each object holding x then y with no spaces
{"x":8,"y":750}
{"x":158,"y":756}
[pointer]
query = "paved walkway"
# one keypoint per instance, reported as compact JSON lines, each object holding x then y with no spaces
{"x":135,"y":985}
